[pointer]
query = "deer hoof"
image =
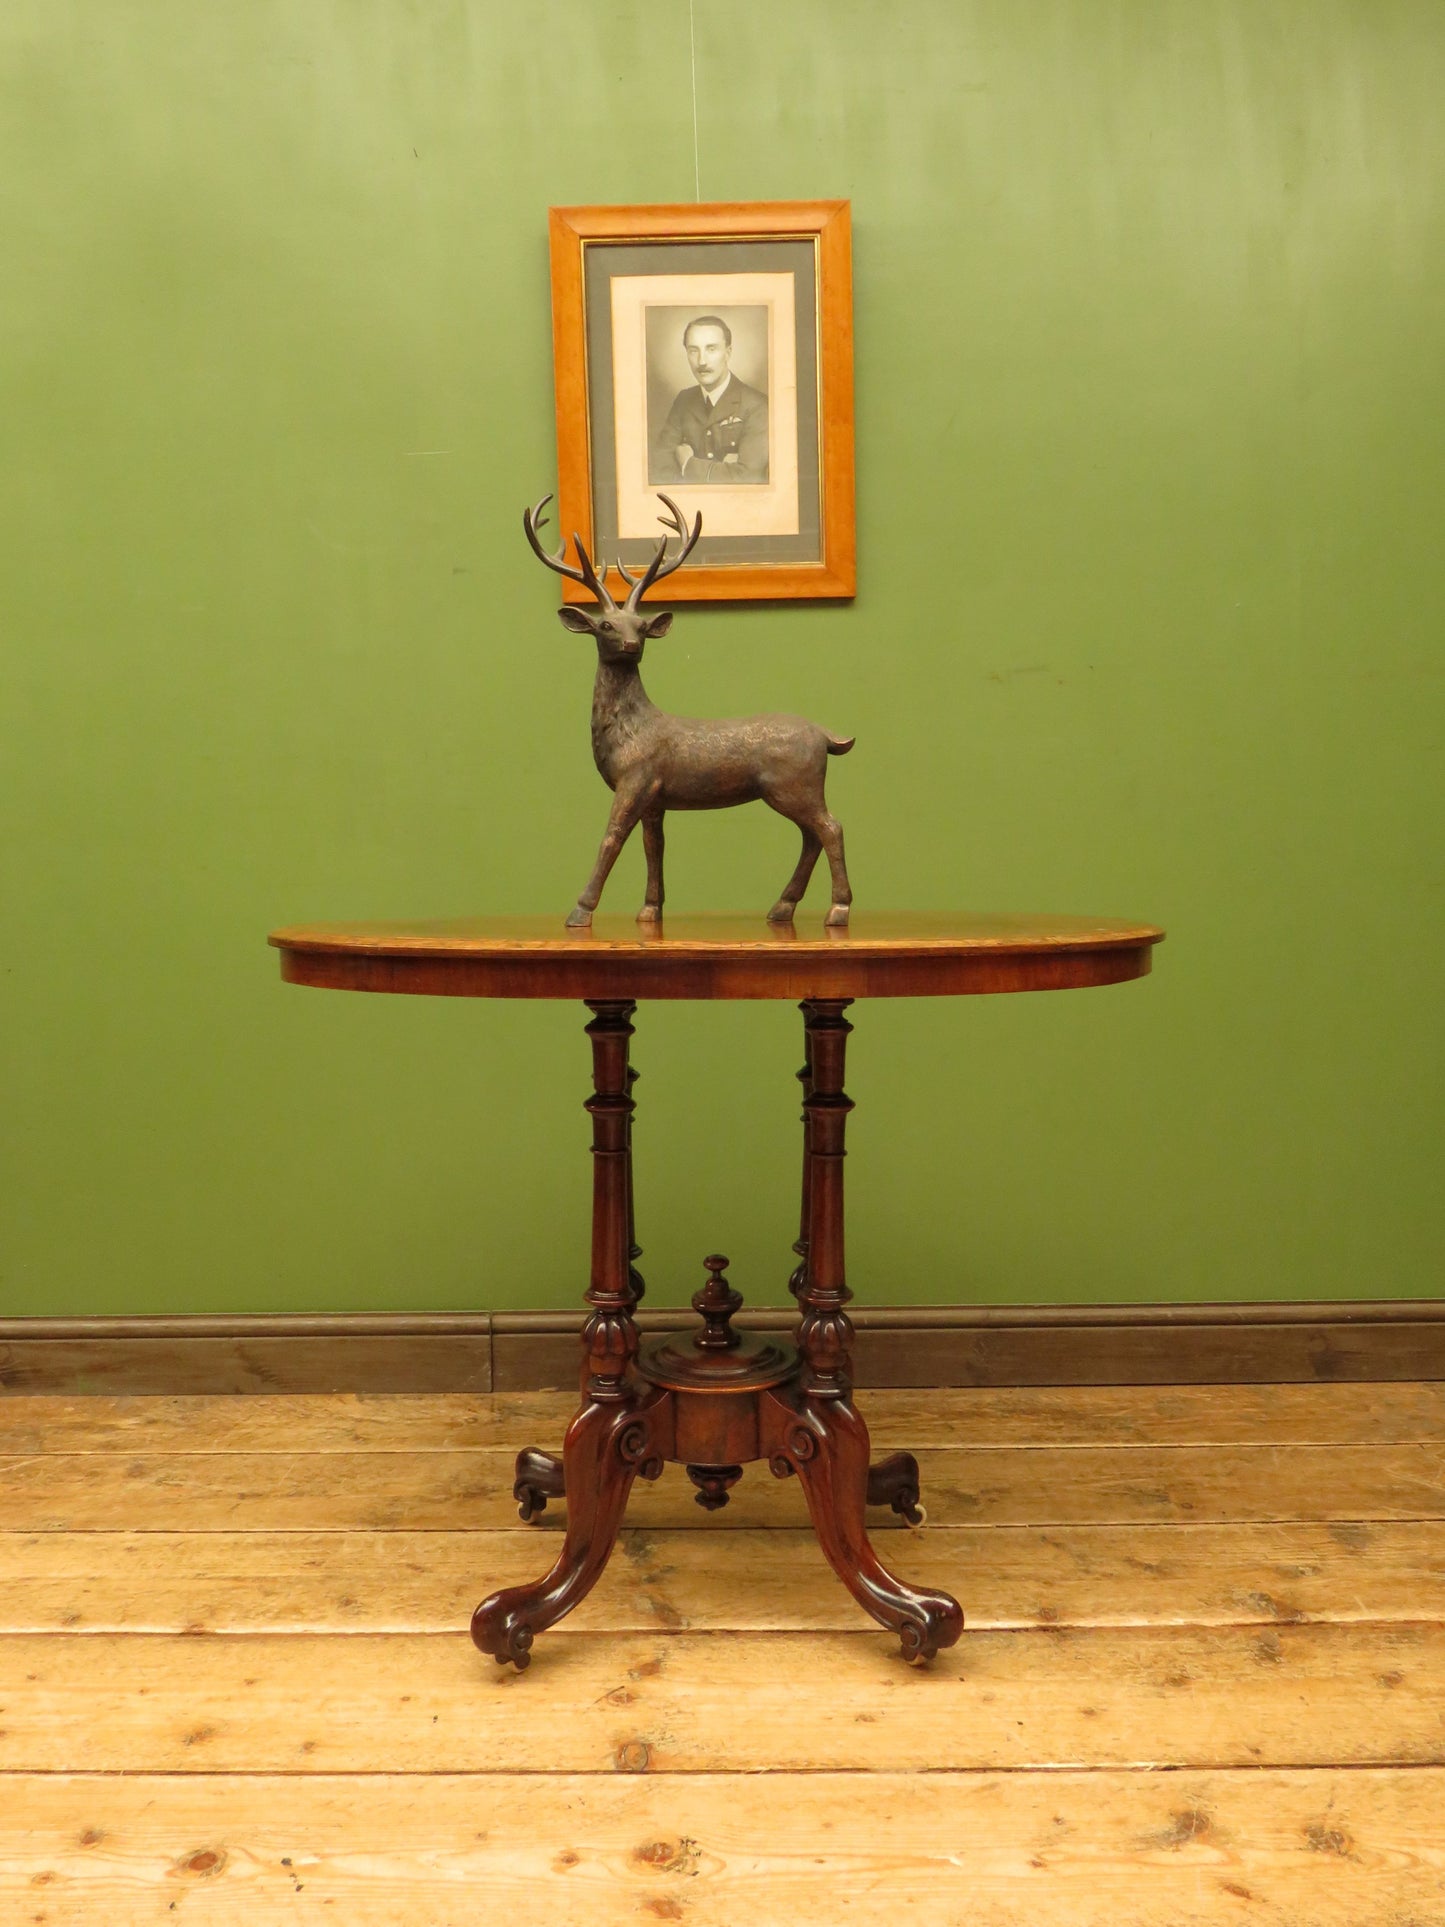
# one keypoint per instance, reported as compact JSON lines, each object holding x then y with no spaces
{"x":579,"y":919}
{"x":781,"y":912}
{"x":837,"y":917}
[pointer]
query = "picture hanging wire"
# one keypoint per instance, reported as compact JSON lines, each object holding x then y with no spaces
{"x":692,"y":48}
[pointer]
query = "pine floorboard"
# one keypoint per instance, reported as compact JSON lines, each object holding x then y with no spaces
{"x":1203,"y":1678}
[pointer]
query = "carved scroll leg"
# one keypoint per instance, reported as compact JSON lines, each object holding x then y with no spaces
{"x":894,"y":1482}
{"x":607,"y":1445}
{"x":826,"y":1443}
{"x":539,"y":1477}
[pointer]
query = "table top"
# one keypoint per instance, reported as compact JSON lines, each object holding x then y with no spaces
{"x":879,"y":954}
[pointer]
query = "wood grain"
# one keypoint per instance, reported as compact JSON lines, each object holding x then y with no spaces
{"x":968,"y":1485}
{"x":669,"y":1703}
{"x":1160,"y":1719}
{"x":1006,"y":1576}
{"x":898,"y":1418}
{"x":879,"y":955}
{"x":882,"y":936}
{"x":181,"y":1362}
{"x":1351,"y":1848}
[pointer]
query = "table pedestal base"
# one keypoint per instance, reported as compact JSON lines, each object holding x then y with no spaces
{"x":714,"y":1431}
{"x":724,"y":1398}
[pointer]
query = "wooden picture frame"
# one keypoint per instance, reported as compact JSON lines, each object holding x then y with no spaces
{"x":647,"y":304}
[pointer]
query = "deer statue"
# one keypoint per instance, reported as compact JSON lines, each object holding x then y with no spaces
{"x":653,"y":762}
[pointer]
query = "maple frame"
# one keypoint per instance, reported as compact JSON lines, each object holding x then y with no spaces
{"x":827,"y":224}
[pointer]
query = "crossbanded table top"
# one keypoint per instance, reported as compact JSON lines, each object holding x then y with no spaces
{"x":879,"y":954}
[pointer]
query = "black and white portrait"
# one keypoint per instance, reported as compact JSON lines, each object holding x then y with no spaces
{"x":704,"y":401}
{"x":707,"y":395}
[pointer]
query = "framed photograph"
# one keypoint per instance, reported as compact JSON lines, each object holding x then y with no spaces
{"x":706,"y":352}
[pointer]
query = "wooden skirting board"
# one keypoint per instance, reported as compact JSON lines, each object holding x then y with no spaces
{"x":960,"y":1345}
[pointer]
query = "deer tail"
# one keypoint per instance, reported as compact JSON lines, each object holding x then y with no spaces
{"x":839,"y":745}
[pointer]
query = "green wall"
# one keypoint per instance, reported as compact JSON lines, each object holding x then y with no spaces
{"x":1149,"y":316}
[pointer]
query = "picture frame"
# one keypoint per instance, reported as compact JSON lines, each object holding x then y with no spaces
{"x":705,"y":351}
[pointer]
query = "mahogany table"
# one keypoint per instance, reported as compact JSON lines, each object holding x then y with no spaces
{"x":725,"y":1397}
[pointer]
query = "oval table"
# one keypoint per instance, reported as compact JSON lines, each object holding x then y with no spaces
{"x":725,"y":1397}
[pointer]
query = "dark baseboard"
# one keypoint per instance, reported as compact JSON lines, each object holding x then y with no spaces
{"x":1231,"y":1343}
{"x":342,"y":1352}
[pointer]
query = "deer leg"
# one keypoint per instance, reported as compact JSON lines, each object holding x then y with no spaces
{"x":782,"y":910}
{"x":620,"y":825}
{"x":651,"y":911}
{"x":829,"y":832}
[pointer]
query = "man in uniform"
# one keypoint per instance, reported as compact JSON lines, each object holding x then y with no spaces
{"x":717,"y":431}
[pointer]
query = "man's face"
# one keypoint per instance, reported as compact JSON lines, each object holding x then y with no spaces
{"x":707,"y":354}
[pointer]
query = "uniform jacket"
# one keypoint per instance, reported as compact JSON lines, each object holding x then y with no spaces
{"x":737,"y":425}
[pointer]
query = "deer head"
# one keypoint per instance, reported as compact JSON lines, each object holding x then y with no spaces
{"x":619,"y":629}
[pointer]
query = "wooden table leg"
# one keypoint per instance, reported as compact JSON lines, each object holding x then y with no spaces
{"x":810,"y":1426}
{"x":800,"y":1243}
{"x":624,"y":1425}
{"x":540,"y":1475}
{"x":892,"y":1481}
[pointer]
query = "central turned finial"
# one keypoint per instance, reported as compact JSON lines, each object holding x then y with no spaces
{"x":716,"y":1303}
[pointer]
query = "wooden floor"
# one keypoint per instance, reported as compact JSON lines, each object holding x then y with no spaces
{"x":1203,"y":1678}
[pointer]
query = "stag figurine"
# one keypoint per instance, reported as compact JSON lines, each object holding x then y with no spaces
{"x":653,"y":762}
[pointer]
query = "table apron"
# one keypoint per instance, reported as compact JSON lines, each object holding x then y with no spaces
{"x":763,"y":976}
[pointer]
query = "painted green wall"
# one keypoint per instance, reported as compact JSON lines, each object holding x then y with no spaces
{"x":1149,"y":315}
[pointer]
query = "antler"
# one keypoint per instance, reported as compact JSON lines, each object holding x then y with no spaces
{"x":655,"y":571}
{"x":533,"y":520}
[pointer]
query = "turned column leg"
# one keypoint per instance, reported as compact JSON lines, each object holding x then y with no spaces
{"x":825,"y":1331}
{"x":609,"y":1337}
{"x":800,"y":1243}
{"x":811,"y":1426}
{"x":623,"y":1427}
{"x":892,"y":1481}
{"x":635,"y":1279}
{"x":541,"y":1475}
